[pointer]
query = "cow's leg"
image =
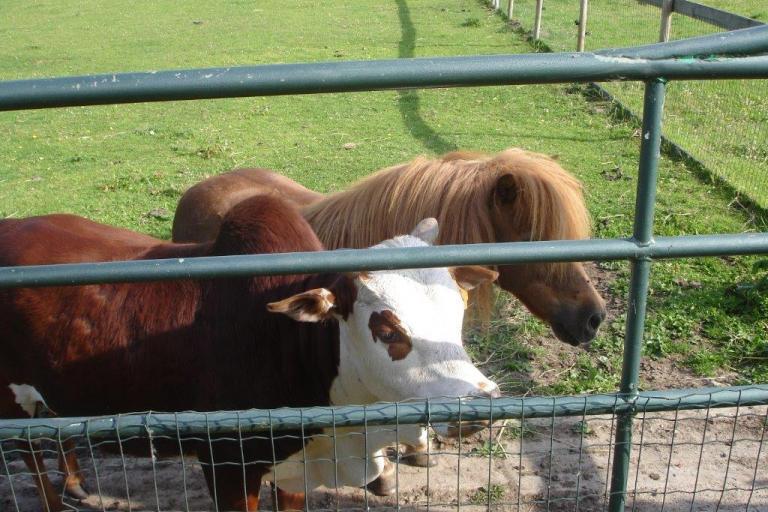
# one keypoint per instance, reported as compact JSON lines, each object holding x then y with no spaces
{"x":68,"y":464}
{"x":226,"y":482}
{"x":48,"y":495}
{"x":416,"y":454}
{"x":417,"y":451}
{"x":289,"y":500}
{"x":386,"y":483}
{"x":17,"y":402}
{"x":70,"y":467}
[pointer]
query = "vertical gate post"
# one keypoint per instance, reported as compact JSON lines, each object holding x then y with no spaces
{"x":582,"y":25}
{"x":510,"y":8}
{"x":537,"y":20}
{"x":667,"y":7}
{"x":650,"y":151}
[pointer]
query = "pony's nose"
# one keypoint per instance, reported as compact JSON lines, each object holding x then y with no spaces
{"x":593,"y":323}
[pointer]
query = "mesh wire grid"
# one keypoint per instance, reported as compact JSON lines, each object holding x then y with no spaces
{"x":703,"y":459}
{"x":720,"y":123}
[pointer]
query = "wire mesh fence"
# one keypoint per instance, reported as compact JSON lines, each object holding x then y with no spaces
{"x":681,"y":459}
{"x":720,"y":123}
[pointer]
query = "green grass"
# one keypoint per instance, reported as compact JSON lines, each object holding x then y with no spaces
{"x":723,"y":124}
{"x":750,"y":8}
{"x":128,"y":164}
{"x":489,"y":449}
{"x":488,"y":495}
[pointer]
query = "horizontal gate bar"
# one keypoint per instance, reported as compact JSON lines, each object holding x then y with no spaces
{"x":376,"y":259}
{"x":327,"y":77}
{"x":747,"y":41}
{"x":707,"y":14}
{"x":437,"y":411}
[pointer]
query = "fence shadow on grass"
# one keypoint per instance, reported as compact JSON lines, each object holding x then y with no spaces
{"x":409,"y":102}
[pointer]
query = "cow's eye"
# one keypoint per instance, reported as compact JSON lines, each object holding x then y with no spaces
{"x":388,"y":336}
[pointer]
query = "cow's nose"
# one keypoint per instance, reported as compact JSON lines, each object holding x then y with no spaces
{"x":489,"y":390}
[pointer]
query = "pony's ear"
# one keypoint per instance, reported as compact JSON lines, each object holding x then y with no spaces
{"x":310,"y":306}
{"x":426,"y":230}
{"x":469,"y":277}
{"x":505,"y":191}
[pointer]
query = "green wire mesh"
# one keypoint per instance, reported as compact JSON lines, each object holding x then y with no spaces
{"x":681,"y":459}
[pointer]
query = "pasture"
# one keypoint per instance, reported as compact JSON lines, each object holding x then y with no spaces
{"x":127,"y":165}
{"x":730,"y":148}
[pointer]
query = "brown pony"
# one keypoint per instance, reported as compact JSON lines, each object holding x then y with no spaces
{"x":515,"y":195}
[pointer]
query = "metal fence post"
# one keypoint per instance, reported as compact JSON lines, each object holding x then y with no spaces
{"x":650,"y":150}
{"x":537,"y":20}
{"x":582,"y":25}
{"x":666,"y":20}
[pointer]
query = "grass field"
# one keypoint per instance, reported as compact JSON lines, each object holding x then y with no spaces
{"x":721,"y":123}
{"x":127,"y":165}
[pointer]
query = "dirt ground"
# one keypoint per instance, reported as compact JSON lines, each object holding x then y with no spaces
{"x":694,"y":462}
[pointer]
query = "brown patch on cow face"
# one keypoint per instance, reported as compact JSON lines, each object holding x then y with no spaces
{"x":386,"y":327}
{"x":346,"y":294}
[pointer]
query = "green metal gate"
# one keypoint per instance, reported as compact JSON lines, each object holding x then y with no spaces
{"x":730,"y":55}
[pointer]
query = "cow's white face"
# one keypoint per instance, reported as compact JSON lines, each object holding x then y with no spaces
{"x":402,"y":338}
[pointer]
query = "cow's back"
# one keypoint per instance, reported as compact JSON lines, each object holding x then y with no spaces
{"x":146,"y":344}
{"x":75,"y":333}
{"x":62,"y":238}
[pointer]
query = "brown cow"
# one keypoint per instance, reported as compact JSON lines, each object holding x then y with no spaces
{"x":217,"y":344}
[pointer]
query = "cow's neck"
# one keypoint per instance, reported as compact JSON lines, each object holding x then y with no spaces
{"x":349,"y":387}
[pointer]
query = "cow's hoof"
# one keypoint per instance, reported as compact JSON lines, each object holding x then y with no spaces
{"x":386,"y":483}
{"x":417,"y":458}
{"x":76,"y":491}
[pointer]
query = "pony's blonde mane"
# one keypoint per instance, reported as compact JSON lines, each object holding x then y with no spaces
{"x":458,"y":190}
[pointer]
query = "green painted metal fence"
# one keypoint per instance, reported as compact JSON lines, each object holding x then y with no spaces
{"x":729,"y":55}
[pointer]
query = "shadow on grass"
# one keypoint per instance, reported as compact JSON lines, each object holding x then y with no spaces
{"x":409,"y":102}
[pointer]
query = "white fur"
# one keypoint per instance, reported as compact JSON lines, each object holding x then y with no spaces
{"x":429,"y":304}
{"x":355,"y":466}
{"x":27,"y":397}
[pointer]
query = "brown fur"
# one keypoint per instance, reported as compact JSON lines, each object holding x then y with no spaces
{"x":205,"y":205}
{"x":386,"y":328}
{"x":170,"y":346}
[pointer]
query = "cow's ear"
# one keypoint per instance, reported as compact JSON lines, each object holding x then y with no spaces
{"x":469,"y":277}
{"x":427,"y":230}
{"x":310,"y":306}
